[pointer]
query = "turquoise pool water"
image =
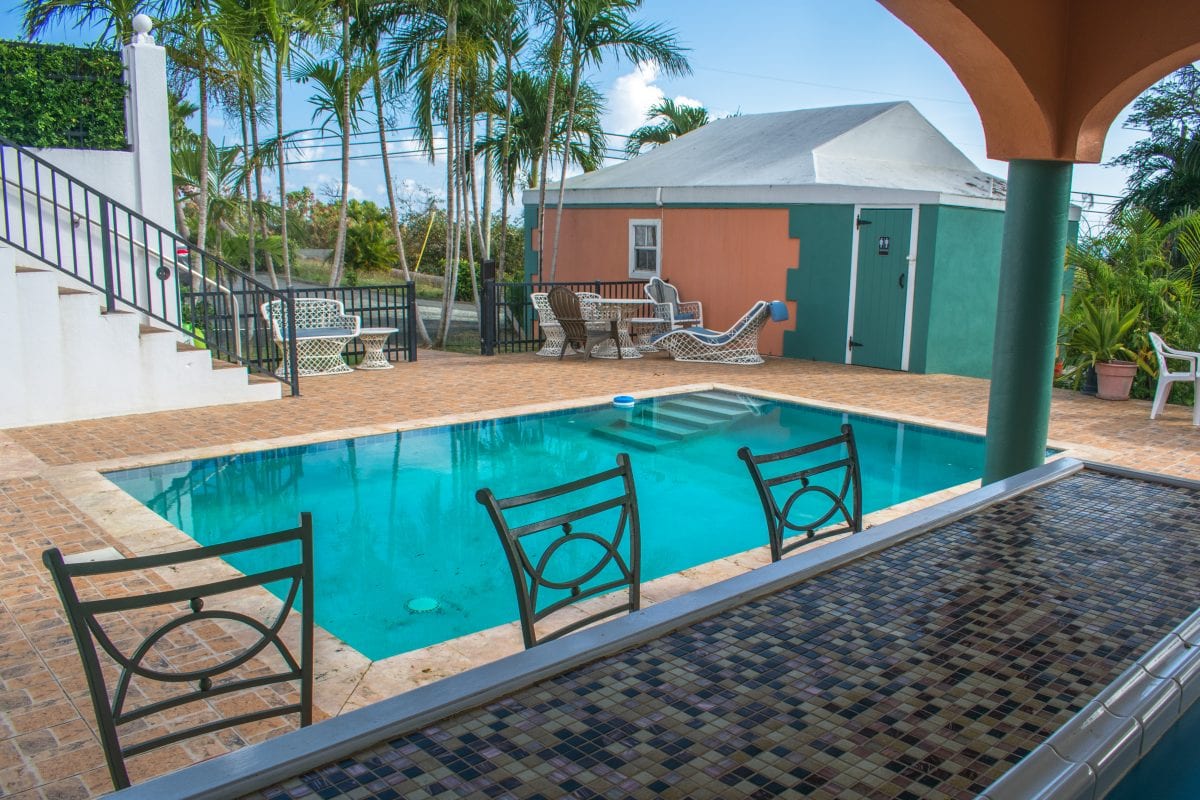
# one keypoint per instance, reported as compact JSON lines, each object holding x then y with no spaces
{"x":395,"y":516}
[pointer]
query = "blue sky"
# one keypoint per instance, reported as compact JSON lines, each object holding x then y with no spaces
{"x":750,"y":56}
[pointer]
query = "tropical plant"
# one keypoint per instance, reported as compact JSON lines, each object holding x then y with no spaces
{"x":1136,"y":261}
{"x":666,"y":120}
{"x":1165,"y":164}
{"x":115,"y":17}
{"x":1101,"y":333}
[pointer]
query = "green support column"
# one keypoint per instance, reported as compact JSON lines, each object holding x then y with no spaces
{"x":1031,"y":269}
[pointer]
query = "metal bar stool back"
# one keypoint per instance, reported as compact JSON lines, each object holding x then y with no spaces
{"x":553,"y":570}
{"x":112,"y":622}
{"x":807,"y":512}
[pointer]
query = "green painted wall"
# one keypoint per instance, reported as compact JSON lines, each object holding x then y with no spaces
{"x":531,"y":261}
{"x":923,"y":287}
{"x":960,"y":301}
{"x":820,"y":285}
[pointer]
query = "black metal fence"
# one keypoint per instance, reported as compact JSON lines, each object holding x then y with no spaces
{"x":508,"y":322}
{"x":237,"y":315}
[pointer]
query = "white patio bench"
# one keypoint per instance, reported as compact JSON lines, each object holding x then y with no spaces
{"x":323,"y":329}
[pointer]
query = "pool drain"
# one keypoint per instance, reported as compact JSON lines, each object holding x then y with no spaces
{"x":421,"y":605}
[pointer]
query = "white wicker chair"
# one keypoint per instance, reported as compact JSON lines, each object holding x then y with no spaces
{"x":674,"y":312}
{"x":555,"y":338}
{"x":738,"y":345}
{"x":323,"y":329}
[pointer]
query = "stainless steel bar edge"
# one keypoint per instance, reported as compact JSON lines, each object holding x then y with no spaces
{"x":1090,"y":754}
{"x":293,"y":753}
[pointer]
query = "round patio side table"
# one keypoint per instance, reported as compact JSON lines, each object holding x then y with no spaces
{"x":372,"y":341}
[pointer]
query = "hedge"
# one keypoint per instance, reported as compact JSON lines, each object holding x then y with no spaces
{"x":62,"y":96}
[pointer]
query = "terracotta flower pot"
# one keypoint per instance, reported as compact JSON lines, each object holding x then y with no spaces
{"x":1113,"y":379}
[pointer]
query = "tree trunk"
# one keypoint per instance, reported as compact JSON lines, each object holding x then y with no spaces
{"x":259,"y":193}
{"x":507,"y":177}
{"x":450,"y":271}
{"x":287,"y":262}
{"x":556,"y":49}
{"x":467,"y":212}
{"x":339,"y":243}
{"x":576,"y":69}
{"x":202,"y":199}
{"x":487,"y":174}
{"x":250,"y":221}
{"x":422,"y":333}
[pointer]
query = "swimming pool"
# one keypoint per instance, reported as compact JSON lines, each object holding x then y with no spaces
{"x":395,"y":517}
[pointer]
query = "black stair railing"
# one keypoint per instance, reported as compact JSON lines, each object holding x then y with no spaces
{"x":137,"y":264}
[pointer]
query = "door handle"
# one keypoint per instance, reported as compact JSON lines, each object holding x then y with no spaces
{"x":903,"y":279}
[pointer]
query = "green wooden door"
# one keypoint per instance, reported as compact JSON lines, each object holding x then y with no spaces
{"x":881,"y":287}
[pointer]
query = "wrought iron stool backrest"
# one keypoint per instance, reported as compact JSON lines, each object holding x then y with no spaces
{"x":532,"y":558}
{"x":844,"y":502}
{"x":92,"y":623}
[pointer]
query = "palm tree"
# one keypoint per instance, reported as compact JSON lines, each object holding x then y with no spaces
{"x":669,"y":120}
{"x":284,"y":24}
{"x":595,"y":28}
{"x":372,"y":28}
{"x":330,"y":83}
{"x":516,"y":147}
{"x":224,"y":176}
{"x":557,"y":10}
{"x":116,"y":16}
{"x":1166,"y":181}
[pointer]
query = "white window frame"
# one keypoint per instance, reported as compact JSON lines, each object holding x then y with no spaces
{"x":633,"y":271}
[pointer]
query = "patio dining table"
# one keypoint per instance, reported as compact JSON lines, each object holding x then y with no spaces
{"x":924,"y":657}
{"x":622,"y":310}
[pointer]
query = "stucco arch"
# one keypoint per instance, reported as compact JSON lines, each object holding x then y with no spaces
{"x":1048,"y":77}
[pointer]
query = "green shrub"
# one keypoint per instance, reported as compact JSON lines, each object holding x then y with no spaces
{"x":61,"y":96}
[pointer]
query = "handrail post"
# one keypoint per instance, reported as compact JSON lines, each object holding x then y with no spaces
{"x":110,"y":292}
{"x":411,"y":326}
{"x":293,"y":355}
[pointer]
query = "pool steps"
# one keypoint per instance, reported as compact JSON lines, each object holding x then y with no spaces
{"x":653,"y":426}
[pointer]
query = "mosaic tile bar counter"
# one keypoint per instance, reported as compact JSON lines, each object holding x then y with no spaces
{"x":924,"y":671}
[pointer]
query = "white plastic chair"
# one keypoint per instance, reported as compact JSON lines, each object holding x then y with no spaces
{"x":1167,"y":376}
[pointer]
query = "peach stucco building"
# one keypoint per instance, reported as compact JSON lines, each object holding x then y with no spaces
{"x":883,"y":238}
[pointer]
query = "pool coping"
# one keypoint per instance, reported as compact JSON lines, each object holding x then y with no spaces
{"x":268,"y":762}
{"x":1089,"y":755}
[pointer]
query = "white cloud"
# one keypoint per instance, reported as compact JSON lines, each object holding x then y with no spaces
{"x":633,"y":94}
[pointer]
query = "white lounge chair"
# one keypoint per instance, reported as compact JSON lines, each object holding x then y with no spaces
{"x":323,"y":329}
{"x":1167,"y":376}
{"x":673,"y":312}
{"x":738,"y":345}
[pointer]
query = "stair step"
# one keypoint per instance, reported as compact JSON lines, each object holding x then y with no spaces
{"x":184,"y":347}
{"x":20,"y":270}
{"x":635,"y":437}
{"x":144,"y":330}
{"x":679,"y":416}
{"x":64,"y":291}
{"x":700,"y":409}
{"x":219,"y":364}
{"x":732,"y":402}
{"x":253,"y":377}
{"x":665,"y":427}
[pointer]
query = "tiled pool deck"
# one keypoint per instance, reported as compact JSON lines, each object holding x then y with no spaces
{"x":51,"y":495}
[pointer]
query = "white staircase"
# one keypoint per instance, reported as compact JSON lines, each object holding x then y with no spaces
{"x":65,"y":359}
